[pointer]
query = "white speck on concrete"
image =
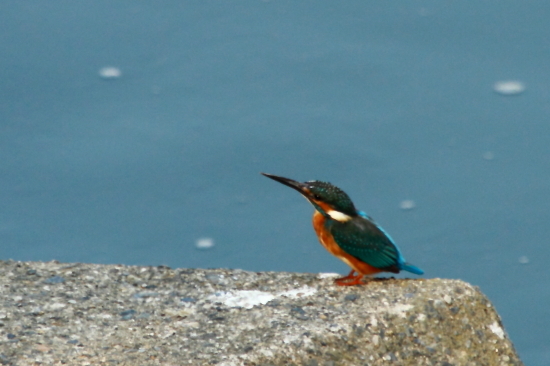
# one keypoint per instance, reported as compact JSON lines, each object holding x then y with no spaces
{"x":56,"y":306}
{"x":421,"y":317}
{"x":186,"y":324}
{"x":398,"y":309}
{"x":230,"y":363}
{"x":300,"y":292}
{"x":373,"y":321}
{"x":497,"y":329}
{"x":448,"y":299}
{"x":249,"y":298}
{"x":266,"y":352}
{"x":246,"y":298}
{"x":204,"y":243}
{"x":509,"y":87}
{"x":328,"y":275}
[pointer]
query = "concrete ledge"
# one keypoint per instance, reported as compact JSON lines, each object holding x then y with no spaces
{"x":85,"y":314}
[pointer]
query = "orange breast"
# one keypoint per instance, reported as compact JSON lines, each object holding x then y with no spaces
{"x":328,"y":242}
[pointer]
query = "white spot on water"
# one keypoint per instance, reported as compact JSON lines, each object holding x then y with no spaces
{"x":523,"y":259}
{"x":497,"y":329}
{"x":509,"y":87}
{"x":407,"y":205}
{"x":488,"y":155}
{"x":109,"y":72}
{"x":204,"y":243}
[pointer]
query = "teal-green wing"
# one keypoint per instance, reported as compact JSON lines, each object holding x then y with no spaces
{"x":366,"y":241}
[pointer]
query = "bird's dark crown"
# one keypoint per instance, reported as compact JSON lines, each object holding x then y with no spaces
{"x":331,"y":195}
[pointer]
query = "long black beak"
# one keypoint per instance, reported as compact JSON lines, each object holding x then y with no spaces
{"x":300,"y":187}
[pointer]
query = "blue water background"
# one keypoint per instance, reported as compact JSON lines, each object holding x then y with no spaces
{"x":388,"y":100}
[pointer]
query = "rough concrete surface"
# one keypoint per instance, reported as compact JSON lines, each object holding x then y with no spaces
{"x":85,"y":314}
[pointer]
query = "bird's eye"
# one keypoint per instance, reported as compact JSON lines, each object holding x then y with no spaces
{"x":316,"y":196}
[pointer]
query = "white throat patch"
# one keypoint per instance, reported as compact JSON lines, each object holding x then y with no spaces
{"x":338,"y":216}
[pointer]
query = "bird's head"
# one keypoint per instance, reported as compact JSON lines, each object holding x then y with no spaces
{"x":328,"y":199}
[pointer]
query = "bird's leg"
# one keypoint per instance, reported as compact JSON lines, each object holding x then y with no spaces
{"x":352,"y":281}
{"x":348,"y":277}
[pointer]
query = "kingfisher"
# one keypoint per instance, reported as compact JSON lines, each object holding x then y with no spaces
{"x":349,"y":234}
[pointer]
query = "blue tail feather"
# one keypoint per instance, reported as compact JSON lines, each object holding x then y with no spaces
{"x":400,"y":260}
{"x":411,"y":268}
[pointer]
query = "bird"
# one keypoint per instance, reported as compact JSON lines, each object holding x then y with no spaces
{"x":349,"y":234}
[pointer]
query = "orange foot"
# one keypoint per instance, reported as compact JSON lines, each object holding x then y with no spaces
{"x":348,"y":277}
{"x":350,"y":280}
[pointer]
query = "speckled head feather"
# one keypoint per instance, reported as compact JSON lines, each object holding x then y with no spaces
{"x":332,"y":195}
